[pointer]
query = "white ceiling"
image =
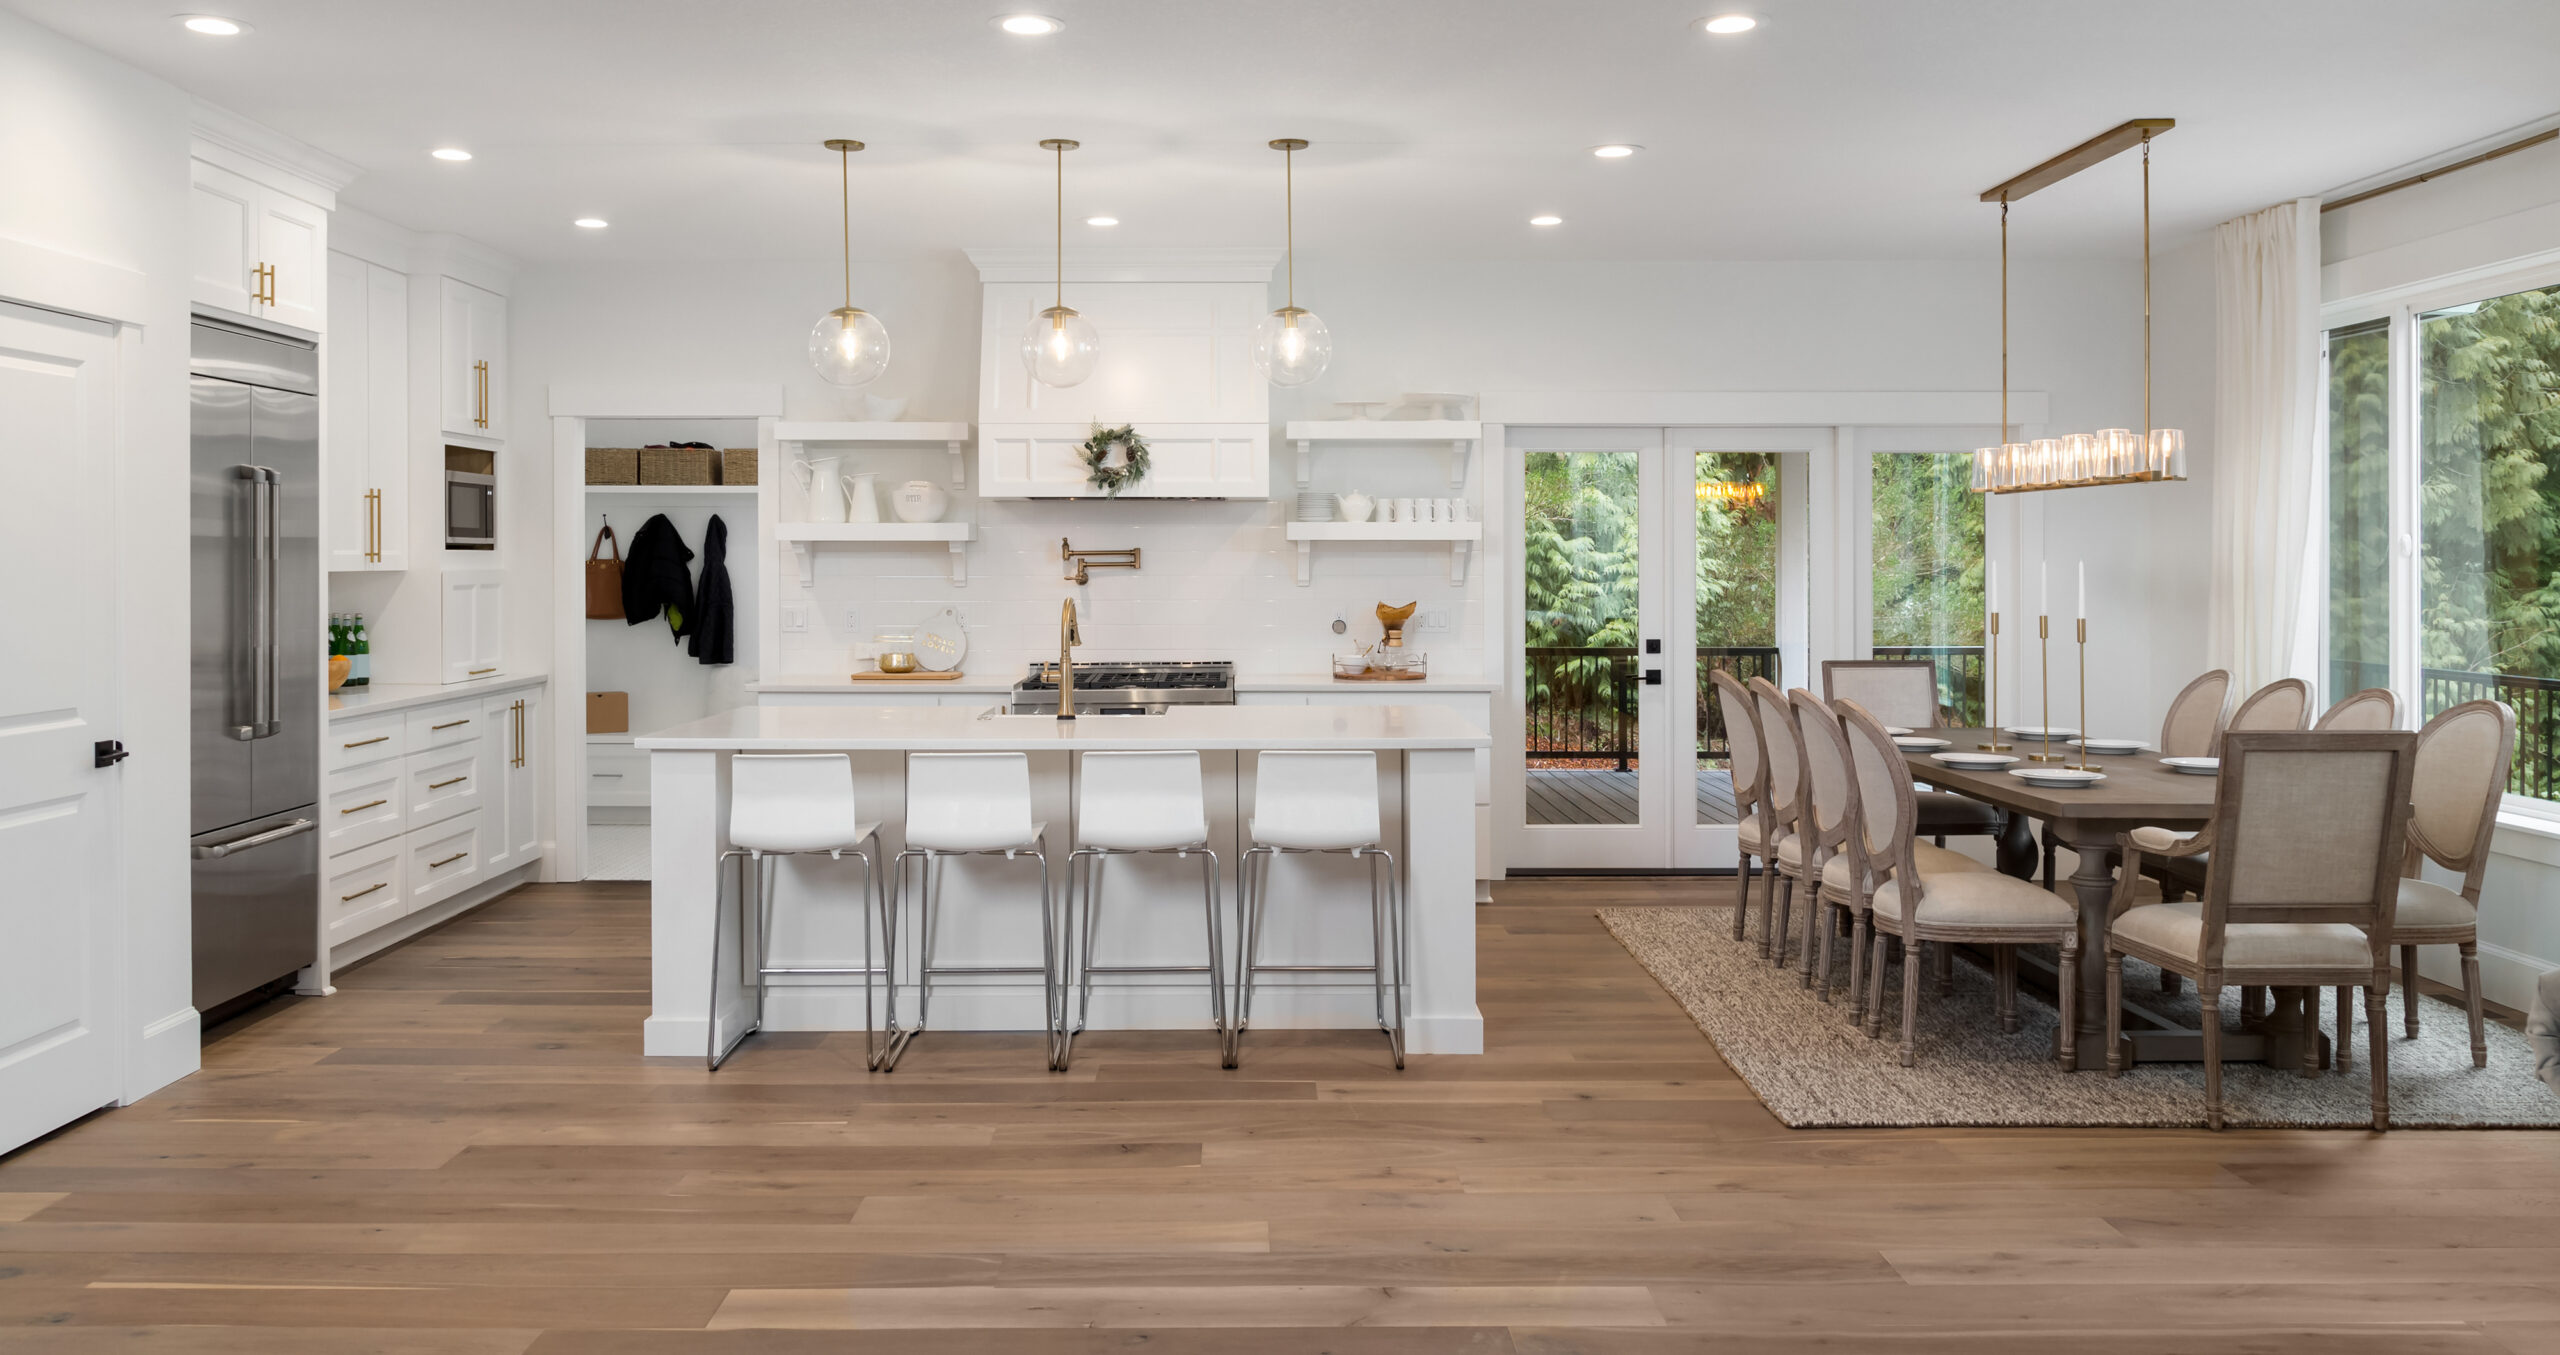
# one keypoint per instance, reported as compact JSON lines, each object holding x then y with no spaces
{"x":1838,"y":129}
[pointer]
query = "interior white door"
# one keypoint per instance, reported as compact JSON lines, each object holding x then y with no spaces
{"x":58,"y":1060}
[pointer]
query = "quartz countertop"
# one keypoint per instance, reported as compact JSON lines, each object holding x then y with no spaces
{"x":965,"y":729}
{"x":375,"y":698}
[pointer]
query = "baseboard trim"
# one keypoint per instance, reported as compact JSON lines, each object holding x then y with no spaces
{"x":2507,"y":977}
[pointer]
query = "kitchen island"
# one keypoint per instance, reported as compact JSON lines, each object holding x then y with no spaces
{"x":1426,"y":771}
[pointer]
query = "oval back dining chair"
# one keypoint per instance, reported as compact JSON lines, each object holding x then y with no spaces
{"x":2194,"y":721}
{"x":1750,"y":771}
{"x":1904,"y":693}
{"x":2463,"y":757}
{"x":2280,"y":705}
{"x":1825,"y":825}
{"x":2372,"y":708}
{"x":1786,"y":792}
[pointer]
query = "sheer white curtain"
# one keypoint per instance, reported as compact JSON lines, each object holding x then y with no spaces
{"x":2264,"y":615}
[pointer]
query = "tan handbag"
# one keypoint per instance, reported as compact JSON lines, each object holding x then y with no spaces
{"x":604,"y":579}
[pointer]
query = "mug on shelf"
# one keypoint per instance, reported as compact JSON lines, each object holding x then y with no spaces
{"x":1408,"y":510}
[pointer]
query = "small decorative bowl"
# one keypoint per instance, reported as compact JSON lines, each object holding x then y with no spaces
{"x":897,"y":663}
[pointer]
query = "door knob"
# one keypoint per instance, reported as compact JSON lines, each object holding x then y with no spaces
{"x":109,"y":752}
{"x":1653,"y":677}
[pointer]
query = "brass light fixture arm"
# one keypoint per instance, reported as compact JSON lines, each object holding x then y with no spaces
{"x":844,"y":147}
{"x":1059,"y":146}
{"x":1289,"y":146}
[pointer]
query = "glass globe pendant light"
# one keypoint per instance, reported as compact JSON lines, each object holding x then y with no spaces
{"x":1290,"y":345}
{"x":1060,"y":347}
{"x":848,"y":345}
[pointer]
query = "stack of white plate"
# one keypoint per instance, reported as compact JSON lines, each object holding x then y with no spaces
{"x":1313,"y":507}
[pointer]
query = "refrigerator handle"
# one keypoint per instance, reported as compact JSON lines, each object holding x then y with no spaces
{"x":270,"y":548}
{"x":252,"y":647}
{"x":217,"y":851}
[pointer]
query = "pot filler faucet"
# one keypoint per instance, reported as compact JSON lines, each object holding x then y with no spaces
{"x":1068,"y":638}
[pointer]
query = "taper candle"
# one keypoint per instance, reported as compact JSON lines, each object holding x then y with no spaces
{"x":2083,"y":613}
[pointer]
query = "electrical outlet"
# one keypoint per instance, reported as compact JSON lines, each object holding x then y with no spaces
{"x":1431,"y":619}
{"x":795,"y":618}
{"x":852,"y":619}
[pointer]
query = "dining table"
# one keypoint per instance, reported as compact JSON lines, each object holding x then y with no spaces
{"x":2137,"y":791}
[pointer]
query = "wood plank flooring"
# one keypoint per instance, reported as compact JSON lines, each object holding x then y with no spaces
{"x":462,"y":1153}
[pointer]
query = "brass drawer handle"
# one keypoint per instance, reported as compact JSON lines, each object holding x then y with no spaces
{"x":350,"y":898}
{"x":363,"y":807}
{"x":378,"y":738}
{"x":436,"y":865}
{"x":481,"y":672}
{"x":449,"y":724}
{"x":439,"y":785}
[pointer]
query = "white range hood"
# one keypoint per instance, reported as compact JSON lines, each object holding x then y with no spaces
{"x":1177,"y":334}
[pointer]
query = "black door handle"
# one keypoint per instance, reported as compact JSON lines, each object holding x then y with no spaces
{"x":109,"y":752}
{"x":1653,"y":677}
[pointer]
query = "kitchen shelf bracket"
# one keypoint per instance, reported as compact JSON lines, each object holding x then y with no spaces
{"x":805,"y":554}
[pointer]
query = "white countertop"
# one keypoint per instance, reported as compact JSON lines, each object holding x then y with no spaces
{"x":966,"y":729}
{"x":1245,"y":682}
{"x":375,"y":698}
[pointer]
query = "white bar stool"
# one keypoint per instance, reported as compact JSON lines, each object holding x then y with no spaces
{"x":793,"y":804}
{"x":1321,"y":803}
{"x":1130,"y":804}
{"x":968,"y":804}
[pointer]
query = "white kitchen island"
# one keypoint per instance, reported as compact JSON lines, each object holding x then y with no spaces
{"x":1152,"y":906}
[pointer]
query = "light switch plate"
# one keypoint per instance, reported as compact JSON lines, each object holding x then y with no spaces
{"x":795,"y":618}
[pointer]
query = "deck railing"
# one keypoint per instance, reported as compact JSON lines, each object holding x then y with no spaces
{"x":1581,"y":700}
{"x":2535,"y":700}
{"x":1960,"y":688}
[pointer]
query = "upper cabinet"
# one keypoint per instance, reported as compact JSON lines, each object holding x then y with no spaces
{"x":472,"y":363}
{"x":257,"y":250}
{"x":365,"y":417}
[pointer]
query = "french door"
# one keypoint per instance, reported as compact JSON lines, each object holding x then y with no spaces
{"x":1647,"y":558}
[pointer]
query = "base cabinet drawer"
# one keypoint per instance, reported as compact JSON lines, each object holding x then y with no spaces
{"x":362,"y":805}
{"x":617,"y":775}
{"x":442,"y":860}
{"x":365,"y":738}
{"x":444,"y":783}
{"x":444,"y":725}
{"x":363,"y":890}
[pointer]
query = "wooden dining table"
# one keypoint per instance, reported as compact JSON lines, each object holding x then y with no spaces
{"x":2137,"y":791}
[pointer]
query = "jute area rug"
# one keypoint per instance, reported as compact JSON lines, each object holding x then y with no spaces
{"x":1812,"y":1069}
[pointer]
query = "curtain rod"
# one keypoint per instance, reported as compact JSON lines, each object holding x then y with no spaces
{"x":2415,"y":179}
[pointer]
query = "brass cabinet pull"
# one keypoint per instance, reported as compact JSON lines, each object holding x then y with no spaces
{"x":439,"y":785}
{"x":373,"y":526}
{"x":378,"y":738}
{"x":450,"y":724}
{"x":478,"y":672}
{"x":480,"y":393}
{"x":519,"y":734}
{"x":438,"y":865}
{"x":363,"y":807}
{"x":368,"y":889}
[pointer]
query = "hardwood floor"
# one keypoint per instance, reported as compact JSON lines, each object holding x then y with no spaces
{"x":462,"y":1153}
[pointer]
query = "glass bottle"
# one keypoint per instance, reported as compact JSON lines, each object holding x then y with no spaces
{"x":360,"y":644}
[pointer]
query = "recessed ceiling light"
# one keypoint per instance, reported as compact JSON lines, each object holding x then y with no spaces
{"x":593,"y":223}
{"x":1616,"y":150}
{"x":1546,"y":221}
{"x":450,"y":153}
{"x":1102,"y":221}
{"x":1029,"y":25}
{"x":213,"y":25}
{"x":1725,"y":25}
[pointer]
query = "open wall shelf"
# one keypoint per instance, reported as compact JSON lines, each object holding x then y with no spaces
{"x":1460,"y":537}
{"x":954,"y":437}
{"x":1460,"y":437}
{"x":804,"y":538}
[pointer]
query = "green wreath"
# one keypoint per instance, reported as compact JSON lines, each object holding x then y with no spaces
{"x":1096,"y":451}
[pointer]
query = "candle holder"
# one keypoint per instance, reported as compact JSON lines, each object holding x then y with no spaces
{"x":1991,"y":693}
{"x":2084,"y":691}
{"x":2044,"y":662}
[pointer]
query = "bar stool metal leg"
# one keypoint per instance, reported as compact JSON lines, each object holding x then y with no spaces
{"x":1084,"y":908}
{"x":757,"y":901}
{"x":1387,"y":939}
{"x":929,"y":891}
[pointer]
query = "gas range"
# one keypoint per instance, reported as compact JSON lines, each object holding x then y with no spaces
{"x":1128,"y":688}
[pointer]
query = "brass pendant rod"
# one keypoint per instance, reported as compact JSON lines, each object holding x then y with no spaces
{"x":2146,"y":297}
{"x":1289,"y":215}
{"x":844,"y":174}
{"x":1061,"y":149}
{"x":2004,"y":322}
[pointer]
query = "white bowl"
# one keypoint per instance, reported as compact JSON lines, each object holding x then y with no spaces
{"x":883,"y":408}
{"x":1913,"y":743}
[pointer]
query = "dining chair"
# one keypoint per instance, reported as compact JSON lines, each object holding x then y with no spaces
{"x":2372,"y":708}
{"x":1834,"y":817}
{"x":1784,"y":751}
{"x":1983,"y":908}
{"x":2307,"y":835}
{"x":1750,"y":771}
{"x":1904,"y":693}
{"x":2280,"y":705}
{"x":2463,"y":757}
{"x":2191,"y":729}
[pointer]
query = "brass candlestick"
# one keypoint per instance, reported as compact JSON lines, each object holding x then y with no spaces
{"x":1991,"y":693}
{"x":2084,"y":692}
{"x":2044,"y":661}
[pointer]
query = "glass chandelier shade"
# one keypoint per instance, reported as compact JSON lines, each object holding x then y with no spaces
{"x":1060,"y":347}
{"x":1291,"y":346}
{"x":849,"y":346}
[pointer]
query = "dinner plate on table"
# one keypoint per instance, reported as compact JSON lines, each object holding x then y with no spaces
{"x":2057,"y":778}
{"x":1973,"y":761}
{"x":2039,"y":732}
{"x":2193,"y":766}
{"x":1897,"y":731}
{"x":1915,"y":743}
{"x":2109,"y":747}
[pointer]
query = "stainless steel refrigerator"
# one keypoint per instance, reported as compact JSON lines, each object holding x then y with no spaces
{"x":255,"y":601}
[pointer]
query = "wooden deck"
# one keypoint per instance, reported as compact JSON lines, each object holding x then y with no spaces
{"x":1559,"y":796}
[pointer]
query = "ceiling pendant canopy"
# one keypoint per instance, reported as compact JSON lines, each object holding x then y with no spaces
{"x":848,"y":345}
{"x":1059,"y":346}
{"x":1291,"y":345}
{"x":2110,"y":456}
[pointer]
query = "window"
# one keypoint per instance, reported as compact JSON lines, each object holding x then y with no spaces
{"x":1927,"y":569}
{"x":2478,"y":478}
{"x":1737,"y":616}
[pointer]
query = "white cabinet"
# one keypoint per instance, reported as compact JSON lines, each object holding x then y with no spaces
{"x":256,"y":250}
{"x":512,"y":825}
{"x":475,"y":623}
{"x":617,"y":772}
{"x":442,"y":860}
{"x":362,"y":805}
{"x":471,"y":365}
{"x":365,"y":434}
{"x":363,"y":890}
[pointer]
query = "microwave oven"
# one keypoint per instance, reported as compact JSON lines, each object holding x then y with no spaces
{"x":470,"y":511}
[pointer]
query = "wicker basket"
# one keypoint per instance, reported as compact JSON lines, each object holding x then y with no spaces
{"x":676,"y":465}
{"x":613,"y":465}
{"x":738,"y":466}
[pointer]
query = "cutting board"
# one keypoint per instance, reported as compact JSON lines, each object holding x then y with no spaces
{"x":917,"y":676}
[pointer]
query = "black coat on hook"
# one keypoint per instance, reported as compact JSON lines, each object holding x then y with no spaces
{"x":654,"y":577}
{"x":714,"y":624}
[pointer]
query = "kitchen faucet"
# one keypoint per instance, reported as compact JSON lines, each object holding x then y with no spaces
{"x":1068,"y":638}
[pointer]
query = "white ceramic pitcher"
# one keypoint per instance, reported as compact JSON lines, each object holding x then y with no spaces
{"x":862,"y":501}
{"x":822,"y":477}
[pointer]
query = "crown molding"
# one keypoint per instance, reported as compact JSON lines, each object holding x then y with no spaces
{"x":215,"y":125}
{"x":1224,"y":264}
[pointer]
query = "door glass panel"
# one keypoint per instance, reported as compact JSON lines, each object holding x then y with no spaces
{"x":1928,"y":573}
{"x":1736,"y":497}
{"x":2359,"y":508}
{"x":2489,"y":518}
{"x":1579,"y":588}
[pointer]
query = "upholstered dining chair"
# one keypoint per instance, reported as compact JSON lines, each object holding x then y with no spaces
{"x":2463,"y":756}
{"x":1780,"y":743}
{"x":2307,"y":834}
{"x":2191,"y":729}
{"x":2282,"y":704}
{"x":1834,"y":798}
{"x":1954,"y":908}
{"x":1750,"y":769}
{"x":1904,"y":693}
{"x":2372,"y":708}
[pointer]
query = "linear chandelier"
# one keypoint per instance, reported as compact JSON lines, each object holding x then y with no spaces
{"x":2110,"y":456}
